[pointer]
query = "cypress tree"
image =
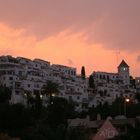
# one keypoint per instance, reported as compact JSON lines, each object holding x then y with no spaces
{"x":83,"y":75}
{"x":91,"y":82}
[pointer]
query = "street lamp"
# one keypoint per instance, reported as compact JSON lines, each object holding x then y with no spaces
{"x":51,"y":97}
{"x":126,"y":100}
{"x":41,"y":96}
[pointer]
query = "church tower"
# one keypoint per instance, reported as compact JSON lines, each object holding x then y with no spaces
{"x":123,"y":72}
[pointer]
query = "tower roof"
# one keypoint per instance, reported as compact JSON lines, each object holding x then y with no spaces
{"x":123,"y":64}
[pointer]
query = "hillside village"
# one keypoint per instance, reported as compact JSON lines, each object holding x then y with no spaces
{"x":24,"y":76}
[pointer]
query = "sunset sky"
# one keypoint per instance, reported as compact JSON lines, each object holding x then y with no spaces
{"x":96,"y":34}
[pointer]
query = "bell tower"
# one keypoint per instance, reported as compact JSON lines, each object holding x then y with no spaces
{"x":123,"y":72}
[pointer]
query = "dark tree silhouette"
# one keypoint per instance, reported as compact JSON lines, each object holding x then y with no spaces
{"x":49,"y":89}
{"x":83,"y":74}
{"x":138,"y":97}
{"x":5,"y":94}
{"x":91,"y":82}
{"x":132,"y":82}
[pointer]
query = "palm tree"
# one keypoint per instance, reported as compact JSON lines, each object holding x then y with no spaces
{"x":50,"y":89}
{"x":30,"y":99}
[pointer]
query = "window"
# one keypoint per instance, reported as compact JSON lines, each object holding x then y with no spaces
{"x":78,"y":97}
{"x":36,"y":85}
{"x":71,"y":72}
{"x":36,"y":91}
{"x":70,"y":98}
{"x":97,"y":102}
{"x":29,"y":85}
{"x":20,"y":72}
{"x":124,"y":69}
{"x":107,"y":77}
{"x":17,"y":92}
{"x":10,"y":78}
{"x":68,"y":71}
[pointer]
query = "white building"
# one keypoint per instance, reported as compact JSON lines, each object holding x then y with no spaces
{"x":110,"y":86}
{"x":23,"y":75}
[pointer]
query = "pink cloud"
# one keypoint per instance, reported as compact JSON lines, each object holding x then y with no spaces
{"x":115,"y":24}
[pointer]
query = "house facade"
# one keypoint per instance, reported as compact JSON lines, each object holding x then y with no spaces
{"x":110,"y":86}
{"x":23,"y":76}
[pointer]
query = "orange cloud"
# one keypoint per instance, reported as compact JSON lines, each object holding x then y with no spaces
{"x":14,"y":39}
{"x":63,"y":47}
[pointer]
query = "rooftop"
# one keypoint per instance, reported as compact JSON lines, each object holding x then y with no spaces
{"x":123,"y":64}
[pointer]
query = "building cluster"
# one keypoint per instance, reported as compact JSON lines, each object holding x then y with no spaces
{"x":23,"y":76}
{"x":110,"y":86}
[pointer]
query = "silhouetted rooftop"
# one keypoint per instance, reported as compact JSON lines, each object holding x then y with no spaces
{"x":123,"y":64}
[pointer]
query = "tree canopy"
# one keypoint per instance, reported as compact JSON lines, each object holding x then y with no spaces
{"x":50,"y":89}
{"x":5,"y":94}
{"x":91,"y":82}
